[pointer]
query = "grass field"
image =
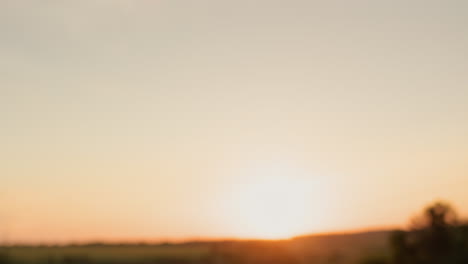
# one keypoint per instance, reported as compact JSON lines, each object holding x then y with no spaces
{"x":333,"y":249}
{"x":108,"y":254}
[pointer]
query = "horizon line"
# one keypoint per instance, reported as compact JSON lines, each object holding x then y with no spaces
{"x":192,"y":239}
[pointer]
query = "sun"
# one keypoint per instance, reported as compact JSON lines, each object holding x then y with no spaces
{"x":274,"y":208}
{"x":272,"y":204}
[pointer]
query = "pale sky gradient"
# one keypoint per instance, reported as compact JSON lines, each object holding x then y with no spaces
{"x":126,"y":119}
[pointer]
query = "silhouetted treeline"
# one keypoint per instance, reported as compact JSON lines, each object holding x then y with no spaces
{"x":435,"y":237}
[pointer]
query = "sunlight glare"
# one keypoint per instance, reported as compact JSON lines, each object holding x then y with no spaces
{"x":272,"y":203}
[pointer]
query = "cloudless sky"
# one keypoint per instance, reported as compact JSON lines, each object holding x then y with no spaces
{"x":139,"y":119}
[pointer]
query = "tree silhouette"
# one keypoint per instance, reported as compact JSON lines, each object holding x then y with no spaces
{"x":436,"y":237}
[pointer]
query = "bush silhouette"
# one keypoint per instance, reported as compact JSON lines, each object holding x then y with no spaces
{"x":436,"y":237}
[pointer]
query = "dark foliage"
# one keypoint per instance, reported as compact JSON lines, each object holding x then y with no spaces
{"x":4,"y":258}
{"x":437,"y":237}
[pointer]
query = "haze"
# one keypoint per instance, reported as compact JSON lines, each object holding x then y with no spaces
{"x":151,"y":120}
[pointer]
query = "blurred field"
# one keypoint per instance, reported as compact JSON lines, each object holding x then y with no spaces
{"x":338,"y":249}
{"x":108,"y":254}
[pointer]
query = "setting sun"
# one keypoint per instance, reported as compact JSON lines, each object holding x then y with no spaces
{"x":274,"y":208}
{"x":271,"y":203}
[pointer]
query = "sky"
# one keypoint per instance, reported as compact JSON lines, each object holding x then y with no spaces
{"x":161,"y":119}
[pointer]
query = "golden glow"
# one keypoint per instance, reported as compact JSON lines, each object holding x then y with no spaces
{"x":133,"y":120}
{"x":271,"y":204}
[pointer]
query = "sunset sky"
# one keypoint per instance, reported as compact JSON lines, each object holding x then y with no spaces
{"x":172,"y":119}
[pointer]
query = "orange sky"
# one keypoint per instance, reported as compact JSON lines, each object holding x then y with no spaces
{"x":267,"y":119}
